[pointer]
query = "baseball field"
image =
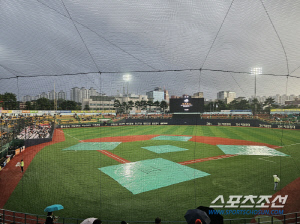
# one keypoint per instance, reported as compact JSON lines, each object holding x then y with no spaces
{"x":136,"y":173}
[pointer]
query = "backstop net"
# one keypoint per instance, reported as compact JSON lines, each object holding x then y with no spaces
{"x":134,"y":110}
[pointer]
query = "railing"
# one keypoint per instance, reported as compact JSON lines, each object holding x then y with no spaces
{"x":288,"y":218}
{"x":8,"y":217}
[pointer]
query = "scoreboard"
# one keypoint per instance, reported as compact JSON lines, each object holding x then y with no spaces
{"x":187,"y":105}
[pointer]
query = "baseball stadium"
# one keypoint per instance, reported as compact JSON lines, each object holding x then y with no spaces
{"x":149,"y":112}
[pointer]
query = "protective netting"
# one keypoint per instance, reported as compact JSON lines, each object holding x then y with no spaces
{"x":183,"y":47}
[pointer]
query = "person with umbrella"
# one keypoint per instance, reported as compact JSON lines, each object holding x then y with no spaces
{"x":91,"y":221}
{"x":197,"y":216}
{"x":50,"y":218}
{"x":158,"y":220}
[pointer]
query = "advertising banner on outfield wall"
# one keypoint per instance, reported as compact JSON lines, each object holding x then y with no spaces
{"x":205,"y":122}
{"x":52,"y":112}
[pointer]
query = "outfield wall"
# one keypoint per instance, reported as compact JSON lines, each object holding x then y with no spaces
{"x":199,"y":121}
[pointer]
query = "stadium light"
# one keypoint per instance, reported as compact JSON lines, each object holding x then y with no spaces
{"x":127,"y":78}
{"x":255,"y":72}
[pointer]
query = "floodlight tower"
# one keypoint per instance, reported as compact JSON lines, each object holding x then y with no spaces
{"x":126,"y":79}
{"x":255,"y":71}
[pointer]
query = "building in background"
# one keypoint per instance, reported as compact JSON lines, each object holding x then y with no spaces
{"x":131,"y":97}
{"x":166,"y":96}
{"x":294,"y":102}
{"x":83,"y":94}
{"x":22,"y":105}
{"x":198,"y":95}
{"x":62,"y":95}
{"x":26,"y":98}
{"x":52,"y":95}
{"x":74,"y":94}
{"x":44,"y":95}
{"x":157,"y":94}
{"x":105,"y":103}
{"x":226,"y":96}
{"x":93,"y":92}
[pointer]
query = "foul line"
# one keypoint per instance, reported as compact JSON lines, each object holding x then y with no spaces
{"x":113,"y":156}
{"x":206,"y":159}
{"x":286,"y":145}
{"x":71,"y":136}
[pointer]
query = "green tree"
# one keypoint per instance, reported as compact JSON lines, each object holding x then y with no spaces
{"x":156,"y":104}
{"x":150,"y":104}
{"x":130,"y":104}
{"x":243,"y":105}
{"x":9,"y":101}
{"x":239,"y":105}
{"x":69,"y":105}
{"x":137,"y":104}
{"x":256,"y":106}
{"x":43,"y":104}
{"x":268,"y":104}
{"x":86,"y":107}
{"x":233,"y":105}
{"x":117,"y":103}
{"x":28,"y":105}
{"x":59,"y":103}
{"x":143,"y":104}
{"x":125,"y":107}
{"x":210,"y":107}
{"x":118,"y":106}
{"x":163,"y":105}
{"x":220,"y":105}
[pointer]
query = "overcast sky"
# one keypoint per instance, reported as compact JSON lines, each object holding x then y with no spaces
{"x":43,"y":38}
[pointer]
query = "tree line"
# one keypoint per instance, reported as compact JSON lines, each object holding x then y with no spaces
{"x":8,"y":101}
{"x":244,"y":104}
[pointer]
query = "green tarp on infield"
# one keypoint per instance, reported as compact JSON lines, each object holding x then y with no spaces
{"x":94,"y":146}
{"x":147,"y":175}
{"x":164,"y":148}
{"x":172,"y":138}
{"x":250,"y":150}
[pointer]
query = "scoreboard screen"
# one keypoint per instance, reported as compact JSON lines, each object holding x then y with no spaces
{"x":187,"y":105}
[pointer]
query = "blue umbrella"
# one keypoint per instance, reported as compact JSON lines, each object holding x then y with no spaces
{"x":53,"y":208}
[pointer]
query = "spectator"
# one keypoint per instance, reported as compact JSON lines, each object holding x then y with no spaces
{"x":158,"y":220}
{"x":91,"y":221}
{"x":50,"y":218}
{"x":198,"y":221}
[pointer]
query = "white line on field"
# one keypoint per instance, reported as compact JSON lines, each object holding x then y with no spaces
{"x":286,"y":145}
{"x":266,"y":159}
{"x":70,"y":136}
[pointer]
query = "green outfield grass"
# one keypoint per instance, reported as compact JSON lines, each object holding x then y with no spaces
{"x":73,"y":178}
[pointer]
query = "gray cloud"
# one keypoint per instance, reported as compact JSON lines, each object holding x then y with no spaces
{"x":37,"y":38}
